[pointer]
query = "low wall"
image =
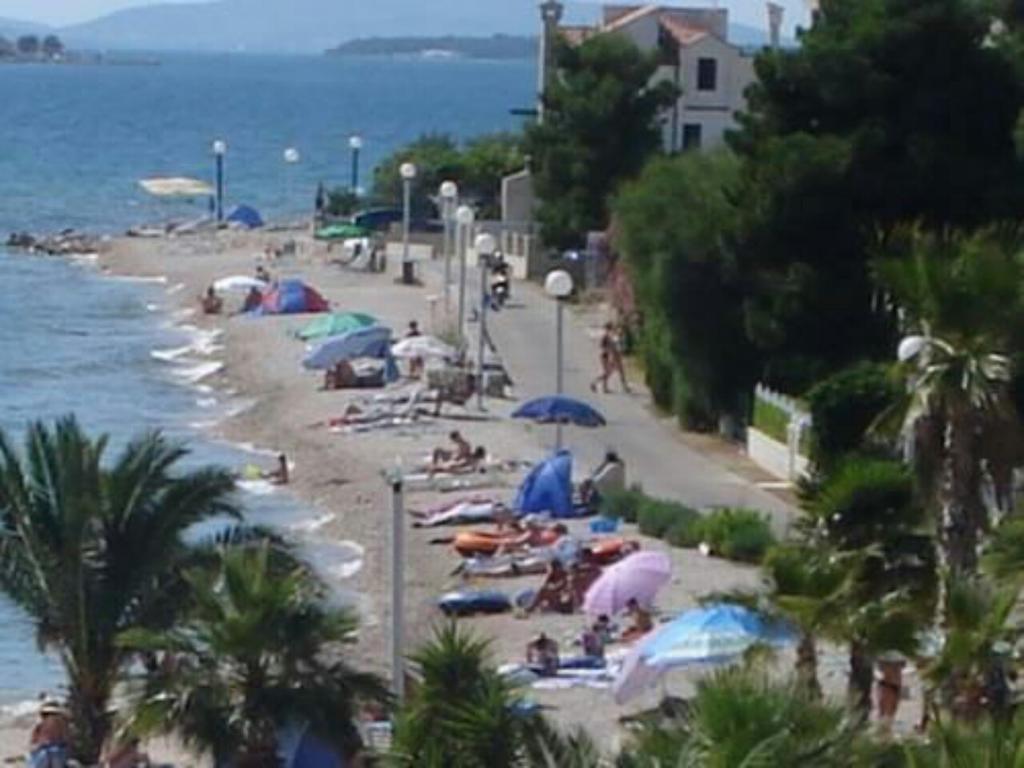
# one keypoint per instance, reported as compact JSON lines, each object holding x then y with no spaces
{"x":774,"y":457}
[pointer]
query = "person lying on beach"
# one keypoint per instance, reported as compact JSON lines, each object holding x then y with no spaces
{"x":211,"y":303}
{"x":48,"y":744}
{"x":535,"y":534}
{"x":641,"y":621}
{"x":278,"y":476}
{"x":462,"y":513}
{"x":253,"y":300}
{"x":542,"y":655}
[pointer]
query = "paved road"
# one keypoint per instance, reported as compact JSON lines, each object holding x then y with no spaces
{"x":651,"y":445}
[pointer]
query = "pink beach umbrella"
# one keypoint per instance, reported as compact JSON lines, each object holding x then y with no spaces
{"x":638,"y":577}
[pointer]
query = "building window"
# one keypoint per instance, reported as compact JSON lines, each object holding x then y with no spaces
{"x":707,"y":74}
{"x":691,"y":136}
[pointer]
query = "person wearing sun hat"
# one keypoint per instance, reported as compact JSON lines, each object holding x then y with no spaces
{"x":48,"y":747}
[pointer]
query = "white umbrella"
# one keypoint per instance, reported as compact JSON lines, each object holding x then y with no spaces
{"x":422,"y":347}
{"x":239,"y":283}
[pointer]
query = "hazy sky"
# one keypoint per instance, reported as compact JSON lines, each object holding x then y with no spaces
{"x":71,"y":11}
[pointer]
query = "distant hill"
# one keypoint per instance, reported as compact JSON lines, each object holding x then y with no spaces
{"x":16,"y":27}
{"x":494,"y":47}
{"x":297,"y":25}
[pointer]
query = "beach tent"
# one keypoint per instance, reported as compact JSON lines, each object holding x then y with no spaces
{"x":548,"y":488}
{"x":336,"y":324}
{"x":246,"y":216}
{"x":292,"y":297}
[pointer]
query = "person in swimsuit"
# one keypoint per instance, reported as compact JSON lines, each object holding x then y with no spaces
{"x":611,"y":361}
{"x":48,"y":746}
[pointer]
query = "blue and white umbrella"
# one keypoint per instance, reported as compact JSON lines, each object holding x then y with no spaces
{"x":559,"y":409}
{"x":711,"y":635}
{"x":374,"y":341}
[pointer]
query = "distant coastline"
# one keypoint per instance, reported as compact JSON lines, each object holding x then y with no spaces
{"x":495,"y":47}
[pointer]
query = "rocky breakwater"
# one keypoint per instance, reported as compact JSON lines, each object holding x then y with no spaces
{"x":64,"y":243}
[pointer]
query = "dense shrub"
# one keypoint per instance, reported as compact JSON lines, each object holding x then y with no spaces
{"x":736,"y":534}
{"x":658,"y":516}
{"x":683,"y":534}
{"x":843,"y":408}
{"x":623,"y":505}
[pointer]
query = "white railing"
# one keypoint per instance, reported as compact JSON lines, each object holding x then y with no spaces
{"x":782,"y":460}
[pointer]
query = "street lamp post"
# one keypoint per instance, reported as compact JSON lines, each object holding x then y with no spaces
{"x":559,"y":286}
{"x":355,"y":143}
{"x":220,"y":148}
{"x":485,"y":247}
{"x":408,"y":173}
{"x":291,"y":159}
{"x":464,"y":217}
{"x":396,"y":481}
{"x":449,"y":197}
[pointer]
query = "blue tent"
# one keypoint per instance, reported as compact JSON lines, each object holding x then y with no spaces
{"x":247,"y":216}
{"x":548,"y":488}
{"x":292,"y":297}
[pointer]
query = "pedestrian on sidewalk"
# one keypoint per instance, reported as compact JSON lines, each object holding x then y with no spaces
{"x":611,"y":361}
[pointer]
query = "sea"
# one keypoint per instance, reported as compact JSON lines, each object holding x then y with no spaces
{"x":75,"y":142}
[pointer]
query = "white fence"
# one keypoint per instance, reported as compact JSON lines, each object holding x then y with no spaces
{"x":783,"y":460}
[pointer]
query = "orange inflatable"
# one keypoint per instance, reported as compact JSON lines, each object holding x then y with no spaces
{"x":472,"y":543}
{"x":608,"y":551}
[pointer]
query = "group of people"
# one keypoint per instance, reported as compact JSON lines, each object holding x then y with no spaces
{"x":213,"y":304}
{"x":460,"y":458}
{"x":50,"y":741}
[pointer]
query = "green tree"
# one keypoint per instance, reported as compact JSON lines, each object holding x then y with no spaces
{"x":486,"y":160}
{"x":962,"y":299}
{"x":674,"y":225}
{"x":600,"y":127}
{"x":437,"y":158}
{"x":91,"y":551}
{"x":28,"y":45}
{"x":258,"y":652}
{"x":52,"y":46}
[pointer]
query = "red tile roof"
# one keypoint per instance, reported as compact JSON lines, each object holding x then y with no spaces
{"x":684,"y":34}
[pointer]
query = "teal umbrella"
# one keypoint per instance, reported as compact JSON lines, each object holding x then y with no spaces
{"x":336,"y":324}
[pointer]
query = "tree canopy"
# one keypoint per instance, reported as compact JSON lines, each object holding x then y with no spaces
{"x":600,"y":127}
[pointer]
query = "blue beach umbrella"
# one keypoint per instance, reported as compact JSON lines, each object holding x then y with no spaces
{"x":559,"y":409}
{"x":712,"y":635}
{"x":374,"y":341}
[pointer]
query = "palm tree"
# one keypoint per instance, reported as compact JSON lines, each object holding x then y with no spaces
{"x":90,"y":551}
{"x":257,"y":653}
{"x":462,"y":714}
{"x":960,"y":297}
{"x":740,"y":717}
{"x":982,"y":745}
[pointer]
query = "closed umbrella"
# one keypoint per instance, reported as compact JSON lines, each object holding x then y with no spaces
{"x":559,"y":409}
{"x":365,"y":342}
{"x":423,"y":347}
{"x":711,"y":635}
{"x":638,"y":577}
{"x":336,"y":324}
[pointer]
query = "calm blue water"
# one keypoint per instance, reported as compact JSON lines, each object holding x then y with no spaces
{"x":75,"y":142}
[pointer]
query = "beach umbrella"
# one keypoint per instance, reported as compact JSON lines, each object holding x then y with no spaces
{"x":559,"y":409}
{"x":238,"y":283}
{"x":422,"y":347}
{"x":638,"y":577}
{"x":373,"y":341}
{"x":711,"y":635}
{"x":336,"y":324}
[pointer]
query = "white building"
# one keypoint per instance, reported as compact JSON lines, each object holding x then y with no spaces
{"x":710,"y":73}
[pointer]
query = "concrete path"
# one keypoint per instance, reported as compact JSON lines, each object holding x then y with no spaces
{"x":651,"y":445}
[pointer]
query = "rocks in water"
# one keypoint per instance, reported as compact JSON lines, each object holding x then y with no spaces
{"x":64,"y":243}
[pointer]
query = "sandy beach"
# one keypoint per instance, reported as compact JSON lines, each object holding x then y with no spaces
{"x":339,"y":476}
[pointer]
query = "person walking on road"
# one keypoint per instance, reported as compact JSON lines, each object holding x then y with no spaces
{"x":611,"y":361}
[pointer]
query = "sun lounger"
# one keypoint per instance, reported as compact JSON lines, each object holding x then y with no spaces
{"x":471,"y":602}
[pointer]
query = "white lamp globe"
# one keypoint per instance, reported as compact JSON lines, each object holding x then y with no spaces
{"x":291,"y":155}
{"x":911,"y":347}
{"x":465,"y":215}
{"x":485,"y":244}
{"x":407,"y":171}
{"x":220,"y":147}
{"x":559,"y":284}
{"x":355,"y":142}
{"x":449,"y":190}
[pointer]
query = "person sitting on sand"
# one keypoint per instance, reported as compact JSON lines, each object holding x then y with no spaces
{"x":126,"y":755}
{"x":278,"y":476}
{"x":462,"y":466}
{"x":462,"y":449}
{"x":542,"y":655}
{"x":211,"y":303}
{"x":554,"y":595}
{"x":341,"y":376}
{"x":48,"y":745}
{"x":640,"y":621}
{"x":610,"y":477}
{"x":261,"y":272}
{"x":253,"y":300}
